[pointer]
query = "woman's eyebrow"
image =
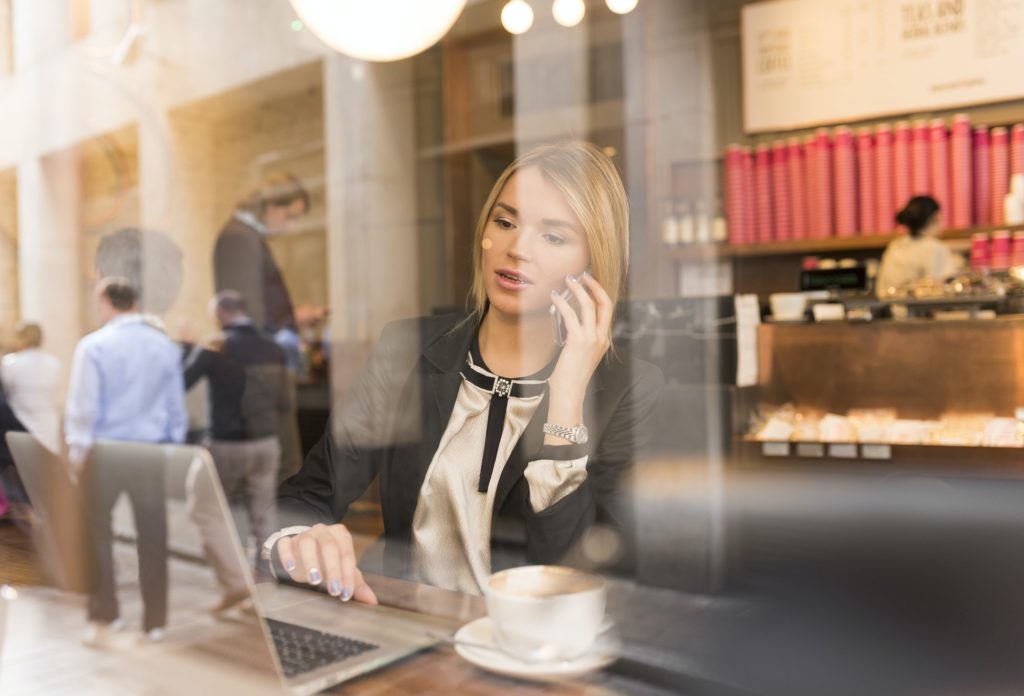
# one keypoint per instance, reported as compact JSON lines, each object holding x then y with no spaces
{"x":555,"y":222}
{"x":547,"y":222}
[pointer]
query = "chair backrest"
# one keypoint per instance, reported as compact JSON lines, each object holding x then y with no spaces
{"x":59,"y":529}
{"x":176,"y":460}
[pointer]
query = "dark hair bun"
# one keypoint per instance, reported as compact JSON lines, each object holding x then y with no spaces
{"x":917,"y":213}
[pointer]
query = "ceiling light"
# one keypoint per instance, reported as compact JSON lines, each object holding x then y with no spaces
{"x":517,"y":16}
{"x":381,"y":30}
{"x":568,"y":13}
{"x":621,"y":6}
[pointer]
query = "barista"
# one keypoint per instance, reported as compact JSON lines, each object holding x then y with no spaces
{"x":919,"y":255}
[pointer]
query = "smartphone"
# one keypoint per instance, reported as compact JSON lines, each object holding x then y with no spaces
{"x":557,"y":322}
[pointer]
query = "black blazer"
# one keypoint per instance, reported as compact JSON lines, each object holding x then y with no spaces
{"x":390,"y":422}
{"x":250,"y":387}
{"x":242,"y":261}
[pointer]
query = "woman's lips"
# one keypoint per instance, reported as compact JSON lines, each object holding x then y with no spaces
{"x":510,"y":280}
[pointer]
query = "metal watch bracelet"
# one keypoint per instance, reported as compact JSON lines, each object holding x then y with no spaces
{"x":268,"y":546}
{"x":577,"y":434}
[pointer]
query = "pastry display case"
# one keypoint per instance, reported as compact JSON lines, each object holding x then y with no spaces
{"x":918,"y":394}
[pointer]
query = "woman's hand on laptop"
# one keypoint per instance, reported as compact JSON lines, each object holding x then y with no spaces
{"x":325,"y":555}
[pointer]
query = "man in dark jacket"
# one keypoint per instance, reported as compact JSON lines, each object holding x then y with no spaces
{"x":242,"y":260}
{"x":249,"y":388}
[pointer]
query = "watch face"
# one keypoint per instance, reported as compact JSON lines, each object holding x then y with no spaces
{"x":582,"y":435}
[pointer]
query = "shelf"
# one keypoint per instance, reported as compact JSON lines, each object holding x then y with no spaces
{"x":956,"y":460}
{"x":800,"y":247}
{"x":754,"y":440}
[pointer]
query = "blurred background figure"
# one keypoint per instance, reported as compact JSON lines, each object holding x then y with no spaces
{"x":10,"y":487}
{"x":920,"y":255}
{"x":31,"y":380}
{"x":249,"y":388}
{"x":31,"y":383}
{"x":126,"y":384}
{"x":243,"y":262}
{"x":197,"y":398}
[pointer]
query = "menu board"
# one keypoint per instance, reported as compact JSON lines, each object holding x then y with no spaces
{"x":813,"y":62}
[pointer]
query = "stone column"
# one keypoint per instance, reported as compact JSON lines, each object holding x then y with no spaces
{"x":371,"y":199}
{"x":49,"y":250}
{"x":177,"y":197}
{"x":41,"y":28}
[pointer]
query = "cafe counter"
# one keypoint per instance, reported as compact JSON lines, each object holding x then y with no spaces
{"x":916,"y":393}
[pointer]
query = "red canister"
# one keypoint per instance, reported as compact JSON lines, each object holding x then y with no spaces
{"x":1017,"y":249}
{"x":1000,"y":250}
{"x":980,"y":251}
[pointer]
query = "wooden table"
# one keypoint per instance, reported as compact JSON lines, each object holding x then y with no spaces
{"x":43,"y":654}
{"x":440,"y":670}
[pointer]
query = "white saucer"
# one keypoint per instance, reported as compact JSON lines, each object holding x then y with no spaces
{"x":481,"y":631}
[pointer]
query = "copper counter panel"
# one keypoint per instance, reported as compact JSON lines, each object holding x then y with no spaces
{"x":921,"y":368}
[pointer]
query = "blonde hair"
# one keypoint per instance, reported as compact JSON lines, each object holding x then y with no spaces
{"x":593,"y":189}
{"x":29,"y":333}
{"x":281,"y":188}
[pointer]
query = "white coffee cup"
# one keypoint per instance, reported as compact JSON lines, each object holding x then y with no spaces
{"x":544,"y":613}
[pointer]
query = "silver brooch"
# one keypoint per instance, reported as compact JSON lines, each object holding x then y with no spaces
{"x":502,"y":387}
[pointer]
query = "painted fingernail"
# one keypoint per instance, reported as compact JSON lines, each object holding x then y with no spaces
{"x":586,"y":274}
{"x":571,"y":279}
{"x":554,"y":293}
{"x":289,"y":565}
{"x":314,"y":576}
{"x":346,"y":594}
{"x":334,"y":588}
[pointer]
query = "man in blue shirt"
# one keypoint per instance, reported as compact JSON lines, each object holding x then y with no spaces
{"x":126,"y":384}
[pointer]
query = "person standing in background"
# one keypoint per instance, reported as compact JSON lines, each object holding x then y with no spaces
{"x":920,"y":255}
{"x":249,"y":388}
{"x":31,"y":381}
{"x":9,"y":480}
{"x":126,"y":384}
{"x":197,"y":398}
{"x":243,"y":262}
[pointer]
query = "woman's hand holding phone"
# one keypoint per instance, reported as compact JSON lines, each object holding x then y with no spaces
{"x":587,"y":340}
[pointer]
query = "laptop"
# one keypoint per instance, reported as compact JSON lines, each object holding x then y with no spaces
{"x":315,"y":641}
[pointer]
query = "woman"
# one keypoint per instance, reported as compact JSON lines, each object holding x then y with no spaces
{"x":31,"y":381}
{"x":468,"y":455}
{"x":29,"y":401}
{"x":920,"y":255}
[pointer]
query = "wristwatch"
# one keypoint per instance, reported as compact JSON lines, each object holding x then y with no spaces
{"x":267,"y":550}
{"x":577,"y":434}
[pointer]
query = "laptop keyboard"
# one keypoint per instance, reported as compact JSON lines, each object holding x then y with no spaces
{"x":302,"y":649}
